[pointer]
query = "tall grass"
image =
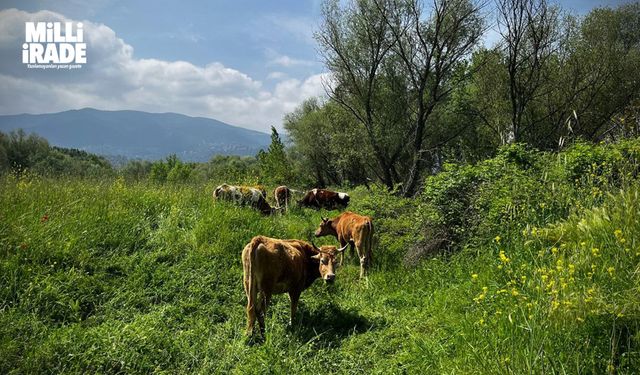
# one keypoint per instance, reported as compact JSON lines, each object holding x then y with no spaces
{"x":108,"y":276}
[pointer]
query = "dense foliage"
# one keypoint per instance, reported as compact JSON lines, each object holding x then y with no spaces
{"x":22,"y":153}
{"x":412,"y":86}
{"x":114,"y":275}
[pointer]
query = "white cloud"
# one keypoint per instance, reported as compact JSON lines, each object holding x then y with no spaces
{"x":276,"y":75}
{"x":287,"y":62}
{"x":114,"y":79}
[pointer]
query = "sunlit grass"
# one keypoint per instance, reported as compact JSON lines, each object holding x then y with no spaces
{"x":109,"y":276}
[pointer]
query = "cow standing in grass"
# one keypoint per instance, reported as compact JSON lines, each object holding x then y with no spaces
{"x":272,"y":266}
{"x":322,"y":198}
{"x":283,"y":195}
{"x":244,"y":196}
{"x":353,"y":229}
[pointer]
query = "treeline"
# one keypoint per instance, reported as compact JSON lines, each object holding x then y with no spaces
{"x":412,"y":85}
{"x":22,"y":153}
{"x":29,"y":153}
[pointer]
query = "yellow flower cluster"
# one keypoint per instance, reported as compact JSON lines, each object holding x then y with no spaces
{"x":619,"y":236}
{"x":503,"y":258}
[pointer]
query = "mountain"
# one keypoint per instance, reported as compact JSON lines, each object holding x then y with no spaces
{"x":135,"y":134}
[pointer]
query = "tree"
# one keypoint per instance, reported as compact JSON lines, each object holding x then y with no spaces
{"x":392,"y":66}
{"x":529,"y":31}
{"x":274,"y":165}
{"x":328,"y":146}
{"x":355,"y":43}
{"x":432,"y":49}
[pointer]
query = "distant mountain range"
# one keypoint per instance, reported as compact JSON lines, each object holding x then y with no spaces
{"x":139,"y":135}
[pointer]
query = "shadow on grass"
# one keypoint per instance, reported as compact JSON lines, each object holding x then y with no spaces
{"x":330,"y":324}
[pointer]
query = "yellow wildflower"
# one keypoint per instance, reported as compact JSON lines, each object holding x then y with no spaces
{"x":474,"y":276}
{"x":503,"y":257}
{"x":497,"y":239}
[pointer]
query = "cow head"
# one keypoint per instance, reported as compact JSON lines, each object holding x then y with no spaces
{"x":325,"y":228}
{"x":343,"y":199}
{"x":326,"y":257}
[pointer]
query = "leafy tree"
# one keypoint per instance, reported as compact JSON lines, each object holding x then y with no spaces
{"x":273,"y":163}
{"x":328,"y":146}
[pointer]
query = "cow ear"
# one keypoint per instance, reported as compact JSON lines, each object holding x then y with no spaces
{"x":324,"y":219}
{"x":317,"y":256}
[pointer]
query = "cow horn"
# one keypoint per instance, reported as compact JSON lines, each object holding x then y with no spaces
{"x":314,"y":246}
{"x":343,"y":248}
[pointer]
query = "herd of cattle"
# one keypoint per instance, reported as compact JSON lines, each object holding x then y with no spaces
{"x":257,"y":198}
{"x":275,"y":266}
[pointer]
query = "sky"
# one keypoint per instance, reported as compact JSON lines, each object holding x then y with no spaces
{"x":247,"y":63}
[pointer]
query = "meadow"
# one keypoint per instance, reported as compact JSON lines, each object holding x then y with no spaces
{"x":525,"y":263}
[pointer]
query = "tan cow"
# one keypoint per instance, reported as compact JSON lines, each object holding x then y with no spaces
{"x":353,"y":229}
{"x":272,"y":266}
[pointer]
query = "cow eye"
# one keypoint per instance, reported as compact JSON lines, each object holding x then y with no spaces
{"x":325,"y":261}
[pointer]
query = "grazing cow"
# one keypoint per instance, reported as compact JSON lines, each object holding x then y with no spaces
{"x":273,"y":266}
{"x":283,"y":195}
{"x":353,"y":229}
{"x":244,"y":196}
{"x":321,"y":198}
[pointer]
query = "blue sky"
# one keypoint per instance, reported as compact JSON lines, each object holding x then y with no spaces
{"x":250,"y":62}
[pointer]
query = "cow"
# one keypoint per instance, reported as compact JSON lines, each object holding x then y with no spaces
{"x":273,"y":266}
{"x":353,"y":229}
{"x":244,"y":196}
{"x":283,"y":195}
{"x":321,"y":198}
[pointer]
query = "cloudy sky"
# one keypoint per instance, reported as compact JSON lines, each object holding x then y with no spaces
{"x":243,"y":62}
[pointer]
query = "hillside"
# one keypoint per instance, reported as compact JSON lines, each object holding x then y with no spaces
{"x":524,"y":263}
{"x":139,"y":135}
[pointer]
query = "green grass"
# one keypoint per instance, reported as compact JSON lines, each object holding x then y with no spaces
{"x":106,"y":277}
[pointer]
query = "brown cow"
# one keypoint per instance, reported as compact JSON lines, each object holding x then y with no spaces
{"x":273,"y":266}
{"x":283,"y":195}
{"x":244,"y":196}
{"x":322,"y":198}
{"x":353,"y":229}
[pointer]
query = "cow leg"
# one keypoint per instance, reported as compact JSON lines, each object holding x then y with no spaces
{"x":264,"y":303}
{"x":294,"y":297}
{"x":342,"y":244}
{"x":251,"y":303}
{"x":352,"y":248}
{"x":262,"y":310}
{"x":364,"y":260}
{"x":251,"y":316}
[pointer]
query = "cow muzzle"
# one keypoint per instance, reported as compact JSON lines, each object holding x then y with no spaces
{"x":330,"y":278}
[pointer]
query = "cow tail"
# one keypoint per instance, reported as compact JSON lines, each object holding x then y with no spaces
{"x":252,"y":292}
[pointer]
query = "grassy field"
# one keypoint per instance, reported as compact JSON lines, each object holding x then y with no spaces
{"x":109,"y":276}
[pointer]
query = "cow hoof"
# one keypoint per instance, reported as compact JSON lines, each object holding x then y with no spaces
{"x":254,"y":340}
